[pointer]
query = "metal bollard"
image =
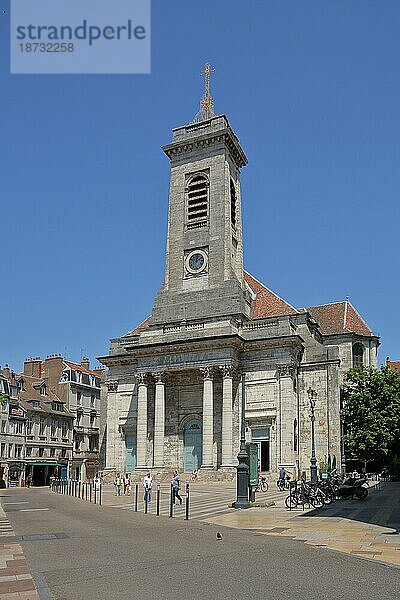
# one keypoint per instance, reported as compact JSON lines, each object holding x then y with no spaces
{"x":136,"y":496}
{"x":171,"y":502}
{"x":90,"y":491}
{"x":100,"y":493}
{"x":95,"y":494}
{"x":158,"y":500}
{"x":187,"y":501}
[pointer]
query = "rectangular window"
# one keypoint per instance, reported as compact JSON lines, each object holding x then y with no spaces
{"x":28,"y":451}
{"x":11,"y":451}
{"x":18,"y":450}
{"x":42,"y":426}
{"x":53,"y":428}
{"x":3,"y":426}
{"x":64,"y":429}
{"x":19,"y":427}
{"x":29,"y":426}
{"x":79,"y":398}
{"x":52,"y":452}
{"x":41,"y":452}
{"x":92,"y":400}
{"x":3,"y":450}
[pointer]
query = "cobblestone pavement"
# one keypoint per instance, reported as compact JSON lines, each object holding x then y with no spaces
{"x":368,"y":529}
{"x":16,"y":580}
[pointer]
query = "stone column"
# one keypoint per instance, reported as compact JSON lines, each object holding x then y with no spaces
{"x":112,"y":437}
{"x":208,"y":418}
{"x":159,"y":420}
{"x":227,"y":415}
{"x":141,"y":430}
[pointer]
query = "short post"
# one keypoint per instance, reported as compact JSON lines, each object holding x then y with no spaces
{"x":90,"y":491}
{"x":136,"y":496}
{"x":100,"y":488}
{"x":95,"y":493}
{"x":187,"y":501}
{"x":79,"y":488}
{"x":86,"y":484}
{"x":158,"y":500}
{"x":171,"y":502}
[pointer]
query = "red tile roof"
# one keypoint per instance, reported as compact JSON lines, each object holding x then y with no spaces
{"x":339,"y":317}
{"x":72,"y":365}
{"x":266,"y":303}
{"x":144,"y":325}
{"x":393,"y":364}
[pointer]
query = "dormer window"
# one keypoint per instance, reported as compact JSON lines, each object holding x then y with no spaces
{"x":42,"y":389}
{"x":197,"y":199}
{"x":20,"y":384}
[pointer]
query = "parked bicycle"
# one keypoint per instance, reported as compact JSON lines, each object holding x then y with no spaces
{"x":284,"y":484}
{"x":262,"y":485}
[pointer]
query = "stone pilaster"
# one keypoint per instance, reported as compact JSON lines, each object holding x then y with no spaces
{"x":141,"y":433}
{"x":287,"y":413}
{"x":159,"y":420}
{"x":227,"y":415}
{"x":208,"y":417}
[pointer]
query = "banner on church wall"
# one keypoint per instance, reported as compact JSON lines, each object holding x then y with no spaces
{"x":80,"y":36}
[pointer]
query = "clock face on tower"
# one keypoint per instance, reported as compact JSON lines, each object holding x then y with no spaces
{"x":196,"y":262}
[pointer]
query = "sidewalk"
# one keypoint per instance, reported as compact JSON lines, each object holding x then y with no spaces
{"x":15,"y":577}
{"x":366,"y":528}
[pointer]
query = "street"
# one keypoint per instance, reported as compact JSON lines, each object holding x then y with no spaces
{"x":104,"y":552}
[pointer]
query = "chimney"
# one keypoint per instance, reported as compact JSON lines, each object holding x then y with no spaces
{"x":85,"y":363}
{"x":33,"y":367}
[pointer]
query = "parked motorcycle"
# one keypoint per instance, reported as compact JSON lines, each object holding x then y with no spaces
{"x":353,"y":487}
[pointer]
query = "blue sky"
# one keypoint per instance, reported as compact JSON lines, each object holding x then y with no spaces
{"x":311,"y":88}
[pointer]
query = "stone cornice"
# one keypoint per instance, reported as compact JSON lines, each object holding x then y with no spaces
{"x":223,"y":136}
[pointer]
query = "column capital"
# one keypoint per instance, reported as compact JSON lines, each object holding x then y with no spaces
{"x":141,"y":378}
{"x":227,"y":371}
{"x":207,"y":372}
{"x":112,"y":385}
{"x":159,"y":376}
{"x":288,"y":370}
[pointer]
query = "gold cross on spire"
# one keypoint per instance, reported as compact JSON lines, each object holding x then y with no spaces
{"x":206,"y":103}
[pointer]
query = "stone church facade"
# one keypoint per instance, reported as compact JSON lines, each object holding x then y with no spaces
{"x":172,"y":396}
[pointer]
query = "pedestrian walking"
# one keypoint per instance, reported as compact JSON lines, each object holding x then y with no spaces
{"x":148,"y":487}
{"x":126,"y":483}
{"x":117,"y":484}
{"x":28,"y":481}
{"x":176,"y":483}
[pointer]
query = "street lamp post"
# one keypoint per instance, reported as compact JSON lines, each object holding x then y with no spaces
{"x":312,"y":396}
{"x":242,"y":470}
{"x":343,"y":461}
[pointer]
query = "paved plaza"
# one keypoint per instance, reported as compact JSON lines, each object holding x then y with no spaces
{"x":60,"y":547}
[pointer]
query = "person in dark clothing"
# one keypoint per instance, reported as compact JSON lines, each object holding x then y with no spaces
{"x":175,"y":482}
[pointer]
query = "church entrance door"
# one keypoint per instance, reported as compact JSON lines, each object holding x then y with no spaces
{"x":130,"y":460}
{"x":192,"y":446}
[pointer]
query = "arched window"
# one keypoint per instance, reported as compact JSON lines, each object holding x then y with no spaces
{"x":197,"y":202}
{"x":295,"y":436}
{"x":358,"y":355}
{"x":233,"y":204}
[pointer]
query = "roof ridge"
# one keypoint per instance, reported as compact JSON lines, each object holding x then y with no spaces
{"x":359,"y":316}
{"x":327,"y":304}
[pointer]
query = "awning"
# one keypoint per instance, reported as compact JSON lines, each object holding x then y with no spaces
{"x":44,"y":463}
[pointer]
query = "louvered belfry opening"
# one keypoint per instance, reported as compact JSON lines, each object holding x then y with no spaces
{"x":197,"y":207}
{"x":233,"y":204}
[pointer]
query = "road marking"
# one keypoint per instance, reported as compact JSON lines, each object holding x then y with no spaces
{"x":31,"y":509}
{"x":21,"y":502}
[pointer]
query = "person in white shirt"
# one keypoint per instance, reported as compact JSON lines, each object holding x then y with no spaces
{"x":148,"y":487}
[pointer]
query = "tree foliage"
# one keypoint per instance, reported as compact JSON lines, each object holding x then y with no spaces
{"x":371,"y":413}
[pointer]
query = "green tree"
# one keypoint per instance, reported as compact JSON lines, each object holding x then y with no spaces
{"x":371,"y":413}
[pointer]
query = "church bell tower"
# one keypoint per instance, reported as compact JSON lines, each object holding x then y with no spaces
{"x":204,"y":261}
